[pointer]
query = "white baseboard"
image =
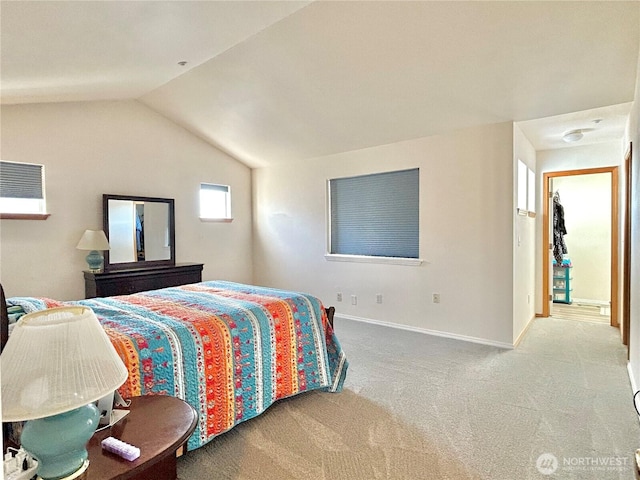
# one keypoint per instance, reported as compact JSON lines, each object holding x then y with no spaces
{"x":524,"y":330}
{"x":437,"y":333}
{"x":603,"y":305}
{"x":595,"y":303}
{"x":634,"y":387}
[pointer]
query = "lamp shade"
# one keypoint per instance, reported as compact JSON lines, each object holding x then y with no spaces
{"x":57,"y":360}
{"x":93,"y":240}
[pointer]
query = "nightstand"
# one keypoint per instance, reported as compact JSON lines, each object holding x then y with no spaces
{"x":159,"y":426}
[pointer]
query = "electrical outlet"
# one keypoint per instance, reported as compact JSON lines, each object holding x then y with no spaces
{"x":354,"y":300}
{"x":339,"y":297}
{"x":436,"y":298}
{"x":379,"y":298}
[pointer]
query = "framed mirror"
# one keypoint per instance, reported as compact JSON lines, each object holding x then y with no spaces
{"x":141,"y":231}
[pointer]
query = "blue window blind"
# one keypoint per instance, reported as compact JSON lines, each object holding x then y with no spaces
{"x":376,"y":215}
{"x":21,"y":180}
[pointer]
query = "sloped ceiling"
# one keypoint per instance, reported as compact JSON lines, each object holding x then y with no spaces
{"x":272,"y":82}
{"x":93,"y":50}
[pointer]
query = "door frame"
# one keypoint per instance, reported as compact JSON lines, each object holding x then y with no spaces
{"x":626,"y":255}
{"x":546,"y":311}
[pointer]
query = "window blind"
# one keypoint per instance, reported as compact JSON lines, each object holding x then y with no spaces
{"x":21,"y":180}
{"x":214,"y":188}
{"x":375,"y":215}
{"x":215,"y":201}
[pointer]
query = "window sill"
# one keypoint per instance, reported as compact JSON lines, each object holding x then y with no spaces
{"x":413,"y":262}
{"x":24,"y":216}
{"x":216,"y":220}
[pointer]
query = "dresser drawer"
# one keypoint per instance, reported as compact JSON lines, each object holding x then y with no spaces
{"x":125,"y":282}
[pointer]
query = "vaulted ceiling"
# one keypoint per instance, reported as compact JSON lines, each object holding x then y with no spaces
{"x":280,"y":81}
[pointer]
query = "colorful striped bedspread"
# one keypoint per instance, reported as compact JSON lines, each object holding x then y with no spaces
{"x":229,"y":350}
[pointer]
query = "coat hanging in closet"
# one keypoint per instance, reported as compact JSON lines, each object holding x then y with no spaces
{"x":559,"y":229}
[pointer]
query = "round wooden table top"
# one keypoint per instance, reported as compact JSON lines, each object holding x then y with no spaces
{"x":157,"y":425}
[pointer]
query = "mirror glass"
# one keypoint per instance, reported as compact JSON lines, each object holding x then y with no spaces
{"x":140,"y":231}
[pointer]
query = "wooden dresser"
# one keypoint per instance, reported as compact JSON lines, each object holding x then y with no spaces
{"x":133,"y":280}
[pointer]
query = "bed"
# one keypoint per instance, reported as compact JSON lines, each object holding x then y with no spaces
{"x":228,"y":349}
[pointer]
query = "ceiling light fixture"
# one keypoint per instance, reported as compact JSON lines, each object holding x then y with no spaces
{"x":573,"y":136}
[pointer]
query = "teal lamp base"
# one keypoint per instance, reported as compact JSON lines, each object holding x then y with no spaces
{"x":59,"y":442}
{"x":95,"y":261}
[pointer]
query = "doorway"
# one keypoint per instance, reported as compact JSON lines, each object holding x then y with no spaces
{"x":547,"y":242}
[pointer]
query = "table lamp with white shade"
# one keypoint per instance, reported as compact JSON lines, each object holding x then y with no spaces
{"x":56,"y":363}
{"x":95,"y":241}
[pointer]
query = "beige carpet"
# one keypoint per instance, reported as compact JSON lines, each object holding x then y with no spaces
{"x":422,"y":407}
{"x":314,"y":436}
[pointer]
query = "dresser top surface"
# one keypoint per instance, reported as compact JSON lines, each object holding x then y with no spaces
{"x":145,"y":270}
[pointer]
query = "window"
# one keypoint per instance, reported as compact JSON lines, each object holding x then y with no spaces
{"x":526,"y":200}
{"x":522,"y":188}
{"x":375,"y":215}
{"x":215,"y":202}
{"x":22,"y":190}
{"x":531,"y":188}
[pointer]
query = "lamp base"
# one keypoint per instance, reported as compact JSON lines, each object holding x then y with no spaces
{"x":59,"y":442}
{"x":95,"y":260}
{"x":78,"y":474}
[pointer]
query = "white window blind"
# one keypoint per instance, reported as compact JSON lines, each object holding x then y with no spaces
{"x":375,"y":215}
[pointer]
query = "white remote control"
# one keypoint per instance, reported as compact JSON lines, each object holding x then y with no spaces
{"x":120,"y":448}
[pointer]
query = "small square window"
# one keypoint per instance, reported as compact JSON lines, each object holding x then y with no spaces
{"x":215,"y":202}
{"x":22,"y":188}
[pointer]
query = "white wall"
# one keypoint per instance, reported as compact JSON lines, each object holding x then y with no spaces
{"x":466,"y":234}
{"x":524,"y":251}
{"x":573,"y":158}
{"x":118,"y":147}
{"x":586,"y":200}
{"x":633,"y":136}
